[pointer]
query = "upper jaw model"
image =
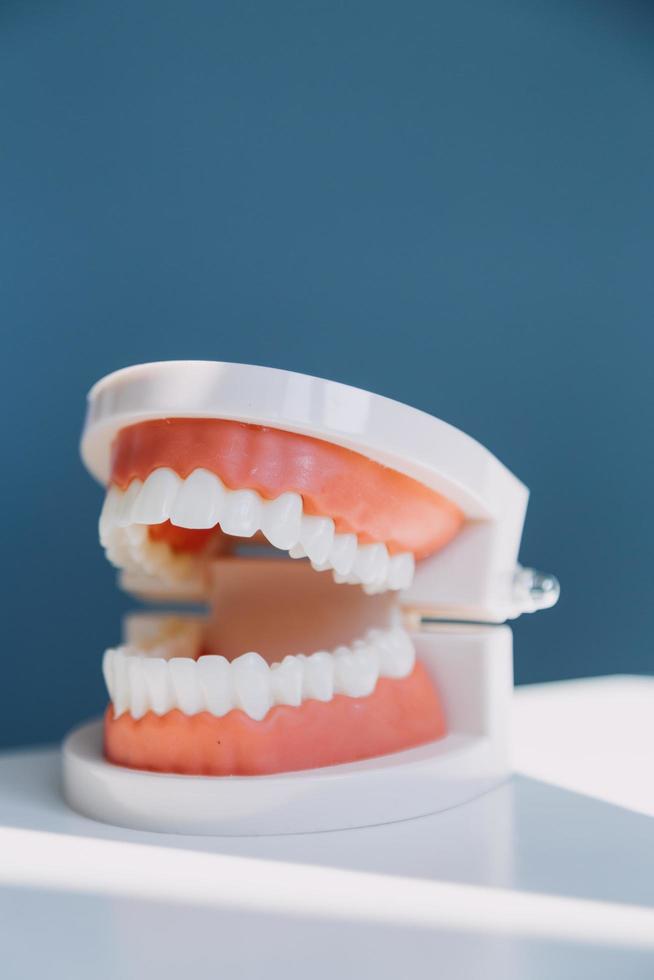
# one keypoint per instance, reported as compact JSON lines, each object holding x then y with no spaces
{"x":334,"y":537}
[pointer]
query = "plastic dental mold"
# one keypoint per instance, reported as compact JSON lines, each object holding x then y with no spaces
{"x":357,"y":561}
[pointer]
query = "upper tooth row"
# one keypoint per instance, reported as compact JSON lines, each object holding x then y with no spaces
{"x":140,"y":681}
{"x":132,"y":549}
{"x":202,"y":501}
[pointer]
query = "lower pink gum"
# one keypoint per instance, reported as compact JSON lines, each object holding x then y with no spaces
{"x":399,"y":714}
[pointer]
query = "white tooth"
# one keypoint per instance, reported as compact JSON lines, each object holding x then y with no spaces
{"x":242,"y":513}
{"x":401,"y":570}
{"x":341,"y":658}
{"x":251,"y":684}
{"x":371,"y":561}
{"x":395,"y":651}
{"x":134,"y":542}
{"x":156,"y":497}
{"x":383,"y":562}
{"x":282,"y":519}
{"x":120,"y":693}
{"x":378,"y":583}
{"x":322,"y":567}
{"x":186,"y":689}
{"x":124,"y":515}
{"x":356,"y":672}
{"x":286,"y":681}
{"x":116,"y":549}
{"x":343,"y":553}
{"x":317,"y":537}
{"x":138,"y":694}
{"x":108,"y":671}
{"x":404,"y":655}
{"x":319,"y":676}
{"x":350,"y":579}
{"x":297,"y":551}
{"x":216,"y":684}
{"x":109,"y":514}
{"x":199,"y":501}
{"x":159,"y":685}
{"x":119,"y":548}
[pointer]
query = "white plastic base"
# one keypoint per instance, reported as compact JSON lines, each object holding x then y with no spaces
{"x":471,"y":666}
{"x":406,"y":784}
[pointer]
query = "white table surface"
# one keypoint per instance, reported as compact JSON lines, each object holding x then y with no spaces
{"x":549,"y":876}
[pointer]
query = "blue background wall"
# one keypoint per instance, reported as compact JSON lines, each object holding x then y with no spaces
{"x":451,"y":203}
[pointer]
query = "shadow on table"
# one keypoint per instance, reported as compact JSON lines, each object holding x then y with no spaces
{"x":526,"y":835}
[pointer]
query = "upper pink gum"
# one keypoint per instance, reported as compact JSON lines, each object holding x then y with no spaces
{"x":362,"y":496}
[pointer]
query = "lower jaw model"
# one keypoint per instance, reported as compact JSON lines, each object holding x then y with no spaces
{"x":306,"y":548}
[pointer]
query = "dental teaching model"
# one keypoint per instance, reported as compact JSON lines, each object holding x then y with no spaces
{"x":356,"y":559}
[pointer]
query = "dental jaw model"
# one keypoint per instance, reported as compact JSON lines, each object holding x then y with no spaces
{"x":347,"y":549}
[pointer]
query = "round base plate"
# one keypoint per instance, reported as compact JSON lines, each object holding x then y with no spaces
{"x":393,"y":787}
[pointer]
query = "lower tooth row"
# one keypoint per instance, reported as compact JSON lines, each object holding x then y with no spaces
{"x":140,"y":681}
{"x":202,"y":501}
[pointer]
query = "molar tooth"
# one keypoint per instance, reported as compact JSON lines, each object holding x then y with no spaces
{"x":318,"y":682}
{"x":199,"y":501}
{"x":317,"y":538}
{"x":158,"y":684}
{"x":251,"y":682}
{"x":401,"y":570}
{"x":322,"y":567}
{"x":138,"y":693}
{"x":155,"y":500}
{"x":286,"y":681}
{"x":282,"y":520}
{"x":124,"y":515}
{"x":242,"y":513}
{"x":216,"y":684}
{"x":343,"y":553}
{"x":371,"y":560}
{"x":356,"y":671}
{"x":395,"y":651}
{"x":297,"y":551}
{"x":184,"y":680}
